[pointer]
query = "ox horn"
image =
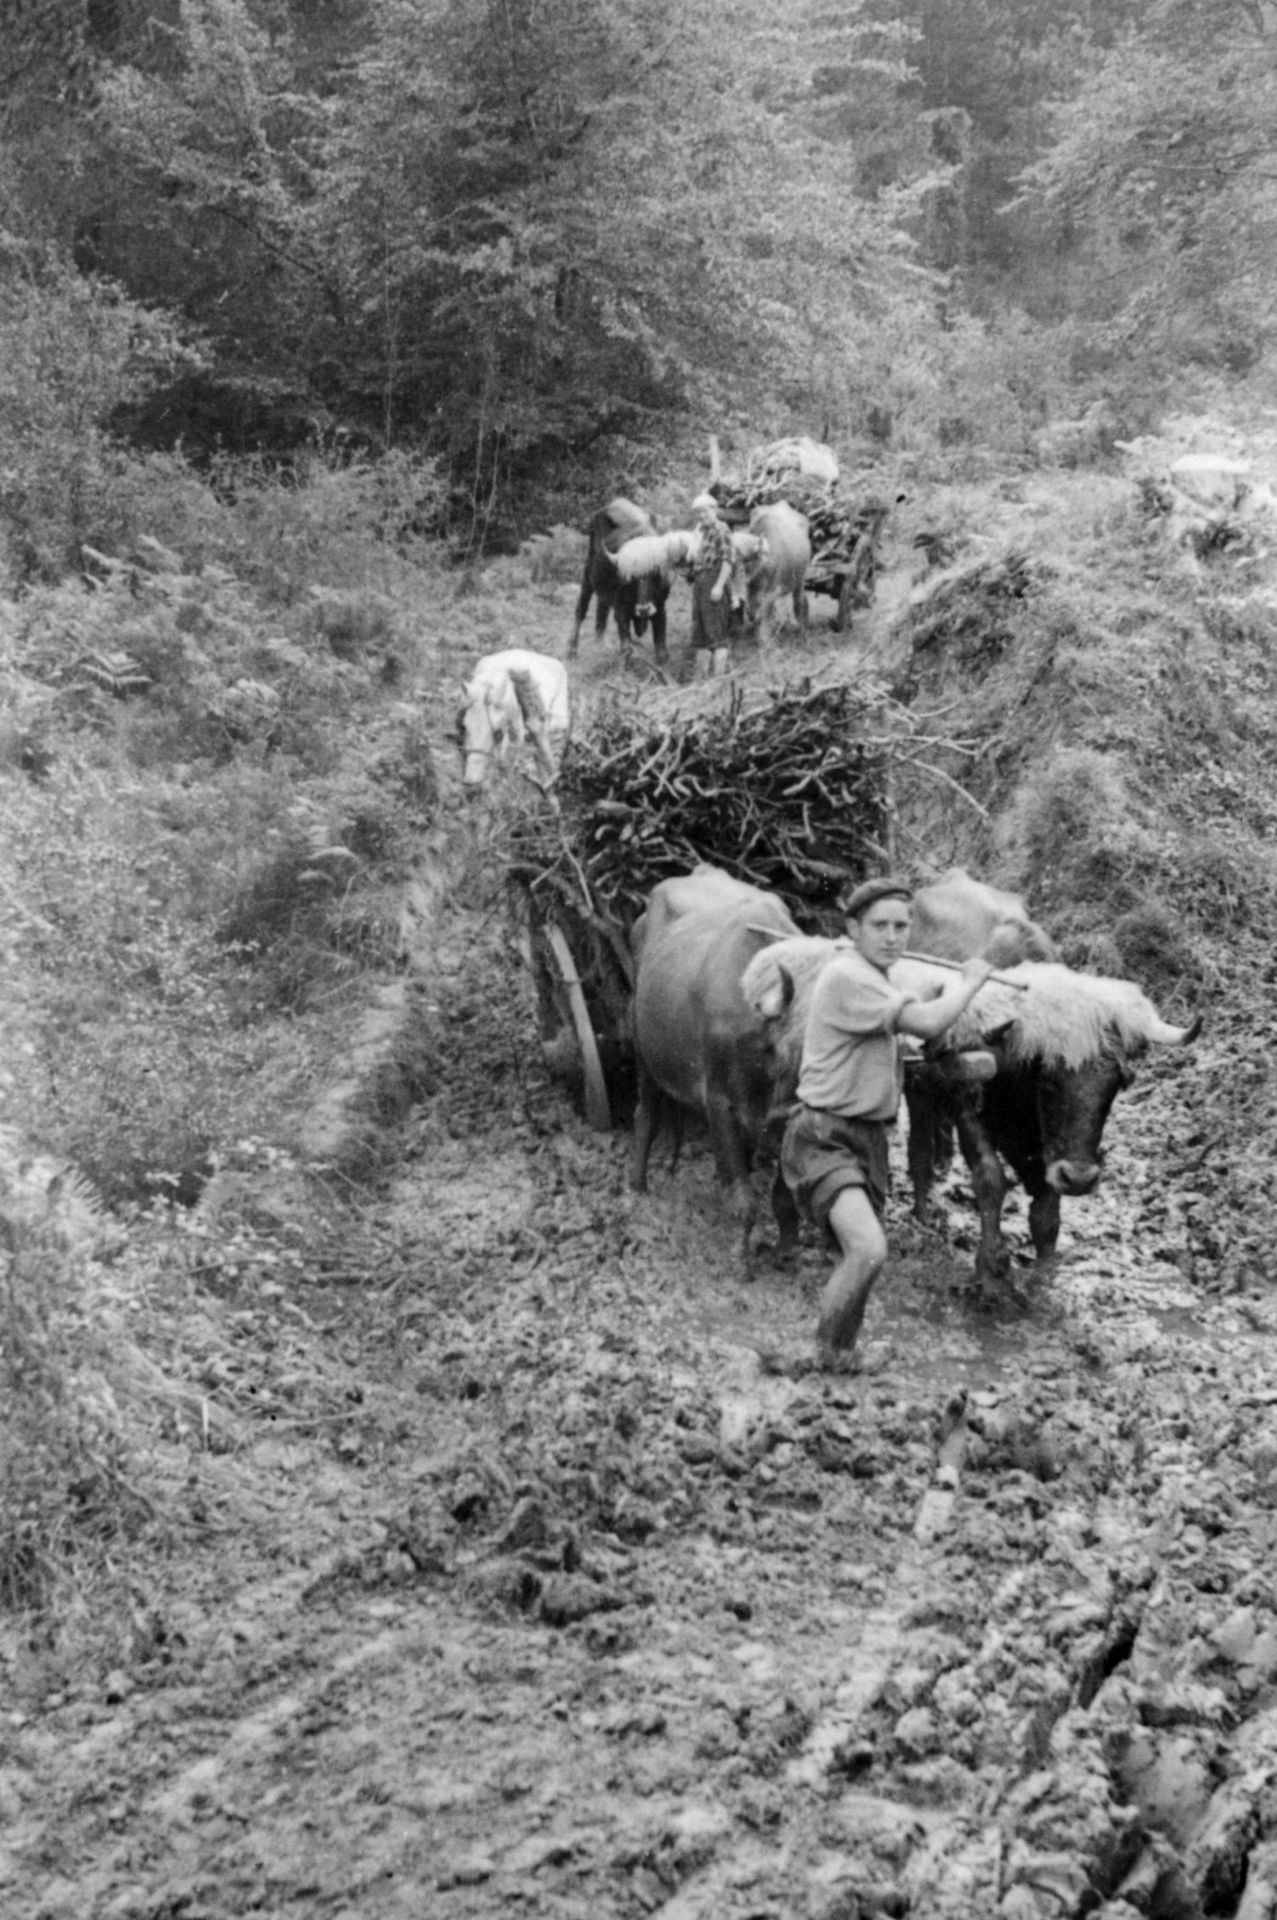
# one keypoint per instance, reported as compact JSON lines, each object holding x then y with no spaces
{"x":1167,"y":1036}
{"x":776,"y":998}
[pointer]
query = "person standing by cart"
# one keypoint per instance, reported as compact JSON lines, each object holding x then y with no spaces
{"x":711,"y":574}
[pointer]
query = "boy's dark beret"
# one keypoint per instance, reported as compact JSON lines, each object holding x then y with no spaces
{"x":869,"y":892}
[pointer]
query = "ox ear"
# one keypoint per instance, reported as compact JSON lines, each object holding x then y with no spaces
{"x":999,"y":1035}
{"x":775,"y":1000}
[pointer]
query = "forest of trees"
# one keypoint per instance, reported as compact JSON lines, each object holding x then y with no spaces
{"x":501,"y":236}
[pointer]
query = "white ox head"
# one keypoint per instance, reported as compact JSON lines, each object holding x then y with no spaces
{"x":648,"y":560}
{"x":1075,"y":1039}
{"x":482,"y":733}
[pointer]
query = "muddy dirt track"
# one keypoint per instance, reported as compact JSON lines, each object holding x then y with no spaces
{"x":560,"y":1586}
{"x":529,"y":1569}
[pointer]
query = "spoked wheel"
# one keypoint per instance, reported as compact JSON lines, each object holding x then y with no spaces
{"x":563,"y":1017}
{"x":598,"y":1108}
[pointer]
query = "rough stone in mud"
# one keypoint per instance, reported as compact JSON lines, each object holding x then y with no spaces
{"x":917,"y":1733}
{"x":568,"y":1597}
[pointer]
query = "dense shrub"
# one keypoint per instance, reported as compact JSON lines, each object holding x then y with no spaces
{"x":72,"y":350}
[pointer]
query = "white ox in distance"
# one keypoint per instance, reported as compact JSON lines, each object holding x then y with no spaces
{"x":512,"y":696}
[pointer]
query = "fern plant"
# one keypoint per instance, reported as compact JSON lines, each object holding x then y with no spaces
{"x":115,"y":671}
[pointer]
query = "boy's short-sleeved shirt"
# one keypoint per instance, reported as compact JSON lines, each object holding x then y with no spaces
{"x":715,"y":548}
{"x":851,"y":1061}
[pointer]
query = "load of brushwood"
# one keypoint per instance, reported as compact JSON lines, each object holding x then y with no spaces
{"x":805,"y":474}
{"x":787,"y":790}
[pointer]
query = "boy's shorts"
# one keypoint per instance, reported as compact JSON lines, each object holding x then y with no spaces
{"x":824,"y":1153}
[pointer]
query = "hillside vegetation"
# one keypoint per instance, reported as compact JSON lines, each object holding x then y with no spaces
{"x":235,"y":824}
{"x":396,"y":1512}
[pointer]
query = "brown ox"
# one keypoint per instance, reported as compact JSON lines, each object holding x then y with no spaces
{"x":697,"y":1042}
{"x":957,"y":916}
{"x":780,"y":568}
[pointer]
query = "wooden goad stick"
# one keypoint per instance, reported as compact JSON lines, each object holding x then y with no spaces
{"x":955,"y":966}
{"x":927,"y":959}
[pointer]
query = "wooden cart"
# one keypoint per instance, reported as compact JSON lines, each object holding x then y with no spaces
{"x":844,"y":537}
{"x":846,"y":567}
{"x":582,"y":977}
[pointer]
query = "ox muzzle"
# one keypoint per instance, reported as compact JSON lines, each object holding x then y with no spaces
{"x":476,"y":763}
{"x":1073,"y":1178}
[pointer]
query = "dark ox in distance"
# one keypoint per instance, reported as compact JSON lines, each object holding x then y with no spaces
{"x":698,"y":1044}
{"x":634,"y":602}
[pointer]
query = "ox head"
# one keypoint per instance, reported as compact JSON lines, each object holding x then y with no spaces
{"x":777,"y":987}
{"x":1063,"y":1100}
{"x":644,"y":563}
{"x":776,"y":996}
{"x":1074,"y":1103}
{"x":644,"y":587}
{"x":645,"y":603}
{"x":480,"y":738}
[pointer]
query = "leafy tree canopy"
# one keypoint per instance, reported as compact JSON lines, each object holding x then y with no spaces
{"x":1161,"y":183}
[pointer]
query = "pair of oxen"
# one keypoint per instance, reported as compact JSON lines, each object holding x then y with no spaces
{"x":630,"y":568}
{"x":1025,"y":1081}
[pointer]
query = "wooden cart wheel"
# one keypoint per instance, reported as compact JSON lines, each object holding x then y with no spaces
{"x":598,"y":1110}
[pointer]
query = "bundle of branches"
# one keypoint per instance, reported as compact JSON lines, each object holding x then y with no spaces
{"x":791,"y":795}
{"x":804,"y":491}
{"x":837,"y":527}
{"x":834,"y":521}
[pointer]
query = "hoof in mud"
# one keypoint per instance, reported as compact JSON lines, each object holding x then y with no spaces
{"x":786,"y":1363}
{"x":1001,"y":1295}
{"x":830,"y":1359}
{"x":852,"y":1360}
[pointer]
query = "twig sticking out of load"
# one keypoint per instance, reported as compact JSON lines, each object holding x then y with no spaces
{"x":791,"y":796}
